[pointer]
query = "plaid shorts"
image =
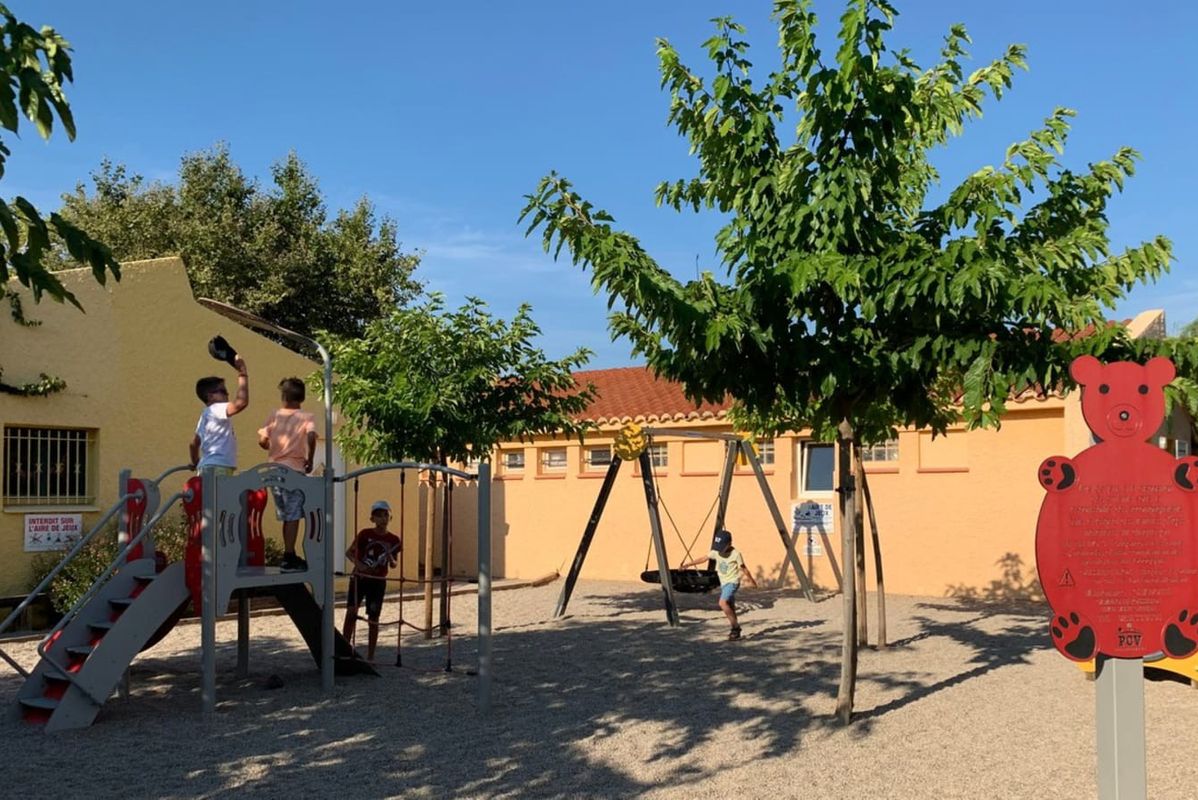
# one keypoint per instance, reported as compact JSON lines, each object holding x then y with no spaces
{"x":289,"y":503}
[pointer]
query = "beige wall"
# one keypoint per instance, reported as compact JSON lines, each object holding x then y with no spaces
{"x":949,"y":510}
{"x":130,"y":363}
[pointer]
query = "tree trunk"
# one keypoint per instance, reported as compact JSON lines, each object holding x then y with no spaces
{"x":859,"y":520}
{"x":873,"y":530}
{"x":848,"y":539}
{"x":428,"y":555}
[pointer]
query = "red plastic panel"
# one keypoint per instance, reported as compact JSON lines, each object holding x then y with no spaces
{"x":1115,"y":542}
{"x":193,"y":568}
{"x":135,"y":509}
{"x":255,"y":542}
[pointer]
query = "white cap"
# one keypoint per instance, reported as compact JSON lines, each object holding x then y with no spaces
{"x":380,"y":505}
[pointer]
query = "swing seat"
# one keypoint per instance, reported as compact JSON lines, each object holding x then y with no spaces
{"x":691,"y":581}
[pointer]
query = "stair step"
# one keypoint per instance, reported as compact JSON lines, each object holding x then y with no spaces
{"x":121,"y":602}
{"x":54,"y":674}
{"x":144,"y":578}
{"x":81,"y":650}
{"x":39,"y":703}
{"x":103,"y":625}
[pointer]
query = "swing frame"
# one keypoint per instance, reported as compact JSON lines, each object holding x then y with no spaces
{"x":734,"y":445}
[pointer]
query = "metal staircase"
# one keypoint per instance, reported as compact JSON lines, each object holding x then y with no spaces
{"x":83,"y":663}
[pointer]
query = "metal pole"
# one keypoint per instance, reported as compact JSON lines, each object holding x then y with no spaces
{"x":243,"y":633}
{"x":208,"y":591}
{"x":484,"y":586}
{"x":1122,"y":774}
{"x":327,"y":621}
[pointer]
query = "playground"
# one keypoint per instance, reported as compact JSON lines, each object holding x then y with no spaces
{"x":969,"y":701}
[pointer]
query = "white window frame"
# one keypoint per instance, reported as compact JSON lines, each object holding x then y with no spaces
{"x":590,"y":465}
{"x":803,"y":462}
{"x":549,"y":461}
{"x":25,"y":449}
{"x":659,"y":456}
{"x":886,"y":452}
{"x":510,"y":456}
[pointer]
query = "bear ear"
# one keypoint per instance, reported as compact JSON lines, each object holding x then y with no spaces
{"x":1086,"y":370}
{"x":1160,"y":370}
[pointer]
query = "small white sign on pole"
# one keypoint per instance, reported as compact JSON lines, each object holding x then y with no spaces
{"x":814,"y":518}
{"x":52,"y":531}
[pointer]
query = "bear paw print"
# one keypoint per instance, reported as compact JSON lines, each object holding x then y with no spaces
{"x":1057,"y":474}
{"x":1185,"y":474}
{"x":1074,"y":637}
{"x":1181,"y":637}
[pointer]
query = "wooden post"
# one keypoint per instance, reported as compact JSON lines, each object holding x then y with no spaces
{"x":859,"y":520}
{"x":588,"y":534}
{"x":873,"y":530}
{"x":428,"y":555}
{"x":659,"y":543}
{"x":848,"y":540}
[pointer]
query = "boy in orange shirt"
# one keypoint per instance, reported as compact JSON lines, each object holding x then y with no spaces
{"x":289,"y":436}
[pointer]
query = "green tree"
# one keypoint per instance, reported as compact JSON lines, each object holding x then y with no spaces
{"x":275,"y":253}
{"x":35,"y":66}
{"x":438,"y":385}
{"x":853,"y":303}
{"x":1190,"y":331}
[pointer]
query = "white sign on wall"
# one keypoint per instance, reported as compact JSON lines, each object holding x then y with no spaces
{"x":52,"y":531}
{"x":814,"y":518}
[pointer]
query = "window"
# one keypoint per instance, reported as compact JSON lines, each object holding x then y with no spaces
{"x":49,"y":467}
{"x":765,"y":454}
{"x":659,"y":455}
{"x":597,"y":459}
{"x":818,"y":467}
{"x":553,"y":459}
{"x":875,"y":453}
{"x":513,"y":460}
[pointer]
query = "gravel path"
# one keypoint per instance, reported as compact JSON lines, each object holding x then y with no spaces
{"x":969,"y":701}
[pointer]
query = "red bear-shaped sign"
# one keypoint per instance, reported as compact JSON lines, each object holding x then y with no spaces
{"x":1115,"y":544}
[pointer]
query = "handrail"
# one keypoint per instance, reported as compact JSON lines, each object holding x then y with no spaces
{"x":172,"y":471}
{"x":469,"y":476}
{"x":74,"y":551}
{"x":95,"y":587}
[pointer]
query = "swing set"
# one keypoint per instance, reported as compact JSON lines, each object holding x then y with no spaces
{"x":445,"y":580}
{"x":633,"y":442}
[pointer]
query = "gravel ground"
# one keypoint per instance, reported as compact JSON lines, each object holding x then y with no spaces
{"x":968,"y":701}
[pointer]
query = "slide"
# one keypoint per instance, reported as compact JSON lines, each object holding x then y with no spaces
{"x":299,"y":604}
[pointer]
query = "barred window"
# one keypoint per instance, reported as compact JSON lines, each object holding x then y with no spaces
{"x":553,"y":459}
{"x":765,"y":454}
{"x":598,"y":458}
{"x":884,"y":451}
{"x":513,"y":460}
{"x":49,"y":466}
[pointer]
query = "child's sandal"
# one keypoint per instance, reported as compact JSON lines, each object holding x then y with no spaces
{"x":734,"y":634}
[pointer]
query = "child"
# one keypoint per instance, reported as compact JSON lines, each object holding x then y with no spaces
{"x":214,"y":443}
{"x":373,"y":552}
{"x":289,"y":436}
{"x":730,"y":566}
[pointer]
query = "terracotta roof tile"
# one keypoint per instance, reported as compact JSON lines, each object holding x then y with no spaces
{"x":636,"y":394}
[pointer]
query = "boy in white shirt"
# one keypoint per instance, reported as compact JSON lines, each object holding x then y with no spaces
{"x":214,"y":443}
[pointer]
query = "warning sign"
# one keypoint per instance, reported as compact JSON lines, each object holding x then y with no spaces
{"x":52,"y":531}
{"x":1066,"y":579}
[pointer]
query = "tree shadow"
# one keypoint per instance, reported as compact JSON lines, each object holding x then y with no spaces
{"x":561,"y":688}
{"x":1011,"y":586}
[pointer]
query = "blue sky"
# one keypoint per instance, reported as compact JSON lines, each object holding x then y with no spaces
{"x":446,"y":114}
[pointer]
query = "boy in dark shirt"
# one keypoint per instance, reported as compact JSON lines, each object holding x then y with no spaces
{"x":373,"y":552}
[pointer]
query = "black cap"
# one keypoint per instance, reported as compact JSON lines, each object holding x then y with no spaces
{"x":221,"y":350}
{"x":721,"y":540}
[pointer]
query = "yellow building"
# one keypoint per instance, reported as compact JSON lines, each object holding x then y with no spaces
{"x":956,"y":514}
{"x":130,"y":363}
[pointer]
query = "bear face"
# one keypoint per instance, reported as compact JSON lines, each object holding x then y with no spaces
{"x":1122,"y":401}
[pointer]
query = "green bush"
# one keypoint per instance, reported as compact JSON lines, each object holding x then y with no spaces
{"x":170,"y":537}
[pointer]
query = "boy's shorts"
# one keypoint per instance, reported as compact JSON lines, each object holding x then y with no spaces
{"x":728,"y":591}
{"x":362,"y":587}
{"x":289,"y":503}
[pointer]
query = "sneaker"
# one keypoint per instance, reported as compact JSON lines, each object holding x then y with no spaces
{"x":293,"y":563}
{"x":734,"y":634}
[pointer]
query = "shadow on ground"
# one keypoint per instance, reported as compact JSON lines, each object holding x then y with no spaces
{"x":558,"y":684}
